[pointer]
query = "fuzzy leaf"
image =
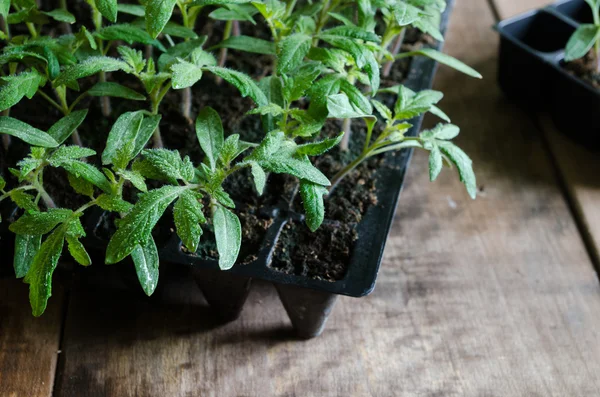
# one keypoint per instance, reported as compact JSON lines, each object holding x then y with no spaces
{"x":188,"y":215}
{"x":13,"y":88}
{"x":64,"y":127}
{"x":135,"y":178}
{"x":185,"y":74}
{"x":88,"y":172}
{"x":39,"y":276}
{"x":158,"y":13}
{"x":113,"y":203}
{"x":435,"y":162}
{"x":260,"y":178}
{"x":318,"y":148}
{"x":209,"y":131}
{"x":116,"y":90}
{"x":312,"y":199}
{"x":131,"y":9}
{"x":242,"y":82}
{"x":581,"y":41}
{"x":23,"y":200}
{"x":405,"y":13}
{"x":38,"y":223}
{"x":89,"y":67}
{"x":130,"y":34}
{"x":409,"y":105}
{"x":463,"y":164}
{"x":353,"y":32}
{"x":80,"y":185}
{"x":25,"y":132}
{"x":445,"y":60}
{"x":65,"y":153}
{"x":122,"y":133}
{"x":61,"y":15}
{"x":300,"y":168}
{"x":166,"y":165}
{"x":4,"y":8}
{"x":291,"y":52}
{"x":77,"y":251}
{"x":136,"y":227}
{"x":146,"y":261}
{"x":441,"y":131}
{"x":108,"y":9}
{"x":339,"y":106}
{"x":228,"y":234}
{"x":248,"y":44}
{"x":26,"y":247}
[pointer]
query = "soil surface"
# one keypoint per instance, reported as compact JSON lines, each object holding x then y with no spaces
{"x":585,"y":68}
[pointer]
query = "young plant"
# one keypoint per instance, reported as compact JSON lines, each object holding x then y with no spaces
{"x":586,"y":37}
{"x":35,"y":257}
{"x":393,"y":136}
{"x":189,"y":186}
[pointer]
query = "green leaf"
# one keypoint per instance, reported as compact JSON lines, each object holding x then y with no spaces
{"x":353,"y":32}
{"x":158,"y":13}
{"x":441,"y":131}
{"x":260,"y":178}
{"x":382,"y":109}
{"x":60,"y":15}
{"x":88,"y":172}
{"x":39,"y":276}
{"x":209,"y":131}
{"x":435,"y":162}
{"x":136,"y":227}
{"x":108,"y":9}
{"x":106,"y":88}
{"x":23,"y":200}
{"x":318,"y":148}
{"x":77,"y":251}
{"x":405,"y":13}
{"x":64,"y":127}
{"x":185,"y":74}
{"x":146,"y":261}
{"x":291,"y":52}
{"x":38,"y":223}
{"x":273,"y":90}
{"x":248,"y":44}
{"x":2,"y":183}
{"x":463,"y":164}
{"x":581,"y":41}
{"x":319,"y":95}
{"x":445,"y":60}
{"x":13,"y":88}
{"x":131,"y":9}
{"x":89,"y":67}
{"x":312,"y":199}
{"x":109,"y":202}
{"x":300,"y":168}
{"x":188,"y":215}
{"x":123,"y":132}
{"x":135,"y":178}
{"x":410,"y":105}
{"x":295,"y":86}
{"x":340,"y":107}
{"x":228,"y":234}
{"x":26,"y":247}
{"x":163,"y":164}
{"x":232,"y":147}
{"x":25,"y":132}
{"x":65,"y":153}
{"x":80,"y":185}
{"x":131,"y":34}
{"x":4,"y":8}
{"x":356,"y":97}
{"x":175,"y":30}
{"x":233,"y":12}
{"x":242,"y":82}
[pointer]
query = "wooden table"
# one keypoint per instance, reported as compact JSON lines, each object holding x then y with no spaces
{"x":493,"y":297}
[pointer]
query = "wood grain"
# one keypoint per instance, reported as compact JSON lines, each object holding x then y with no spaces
{"x":493,"y":297}
{"x":28,"y":346}
{"x":579,"y":167}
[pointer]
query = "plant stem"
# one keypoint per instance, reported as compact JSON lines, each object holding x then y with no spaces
{"x":347,"y":128}
{"x":223,"y":51}
{"x":156,"y":137}
{"x":6,"y":195}
{"x":66,"y":26}
{"x":39,"y":186}
{"x":597,"y":48}
{"x":345,"y":171}
{"x":6,"y":140}
{"x":387,"y":68}
{"x":62,"y":96}
{"x":104,"y":101}
{"x":321,"y":21}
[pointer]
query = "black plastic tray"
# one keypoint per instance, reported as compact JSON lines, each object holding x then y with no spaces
{"x":531,"y":72}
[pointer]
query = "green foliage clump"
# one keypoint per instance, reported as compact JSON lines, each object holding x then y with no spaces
{"x":327,"y":61}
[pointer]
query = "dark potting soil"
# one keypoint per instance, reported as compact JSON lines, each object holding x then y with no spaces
{"x":323,"y":254}
{"x":585,"y":68}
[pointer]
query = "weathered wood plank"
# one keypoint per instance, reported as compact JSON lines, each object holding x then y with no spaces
{"x":495,"y":297}
{"x":28,"y":346}
{"x":579,"y":167}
